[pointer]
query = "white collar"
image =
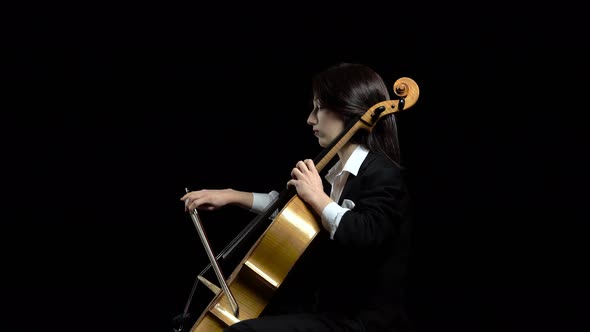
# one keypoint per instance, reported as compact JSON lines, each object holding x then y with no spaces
{"x":352,"y":166}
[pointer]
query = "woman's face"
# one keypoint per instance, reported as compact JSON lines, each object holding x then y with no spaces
{"x":326,"y":124}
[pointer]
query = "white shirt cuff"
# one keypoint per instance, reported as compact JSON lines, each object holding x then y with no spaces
{"x":261,"y":201}
{"x":331,"y":216}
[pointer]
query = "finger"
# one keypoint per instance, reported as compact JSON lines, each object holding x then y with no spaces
{"x":301,"y":165}
{"x":196,"y":204}
{"x":207,"y":206}
{"x":189,"y":195}
{"x":202,"y":203}
{"x":310,"y":165}
{"x":291,"y":183}
{"x":300,"y":168}
{"x":191,"y":204}
{"x":296,"y":174}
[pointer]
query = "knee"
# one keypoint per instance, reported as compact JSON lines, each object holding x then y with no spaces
{"x":237,"y":327}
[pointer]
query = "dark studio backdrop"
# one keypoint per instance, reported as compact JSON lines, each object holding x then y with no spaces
{"x":108,"y":120}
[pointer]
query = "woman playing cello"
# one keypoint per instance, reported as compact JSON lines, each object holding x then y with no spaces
{"x":352,"y":278}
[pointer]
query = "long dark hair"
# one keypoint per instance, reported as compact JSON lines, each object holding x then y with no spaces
{"x":349,"y":90}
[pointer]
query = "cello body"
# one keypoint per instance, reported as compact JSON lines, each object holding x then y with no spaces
{"x":260,"y":274}
{"x":267,"y":263}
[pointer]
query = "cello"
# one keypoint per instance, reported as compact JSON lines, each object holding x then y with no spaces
{"x":277,"y":238}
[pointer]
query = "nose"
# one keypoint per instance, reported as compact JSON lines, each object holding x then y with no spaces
{"x":312,"y":118}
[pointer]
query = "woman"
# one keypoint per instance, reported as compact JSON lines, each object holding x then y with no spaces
{"x":355,"y":270}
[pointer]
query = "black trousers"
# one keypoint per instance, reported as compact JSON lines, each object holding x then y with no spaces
{"x":298,"y":323}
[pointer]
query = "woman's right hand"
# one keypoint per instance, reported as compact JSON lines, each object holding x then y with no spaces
{"x":207,"y":199}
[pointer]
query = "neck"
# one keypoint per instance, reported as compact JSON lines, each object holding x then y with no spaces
{"x":345,"y":152}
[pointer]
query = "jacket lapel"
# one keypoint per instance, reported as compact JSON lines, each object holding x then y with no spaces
{"x":353,"y":182}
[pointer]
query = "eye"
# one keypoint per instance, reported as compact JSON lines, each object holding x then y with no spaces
{"x":316,"y":105}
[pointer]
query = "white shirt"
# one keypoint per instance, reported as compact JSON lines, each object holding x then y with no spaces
{"x":337,"y":176}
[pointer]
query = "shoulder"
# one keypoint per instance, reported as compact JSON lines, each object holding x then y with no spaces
{"x":378,"y":168}
{"x":378,"y":162}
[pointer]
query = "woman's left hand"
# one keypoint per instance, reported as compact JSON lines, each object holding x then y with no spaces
{"x":308,"y":183}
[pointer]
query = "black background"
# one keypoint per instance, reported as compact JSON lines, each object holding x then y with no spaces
{"x":111,"y":111}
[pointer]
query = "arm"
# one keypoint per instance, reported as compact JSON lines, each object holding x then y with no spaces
{"x":374,"y":213}
{"x":208,"y":199}
{"x":378,"y":211}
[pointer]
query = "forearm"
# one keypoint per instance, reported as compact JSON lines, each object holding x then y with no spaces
{"x":319,"y":202}
{"x":242,"y":199}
